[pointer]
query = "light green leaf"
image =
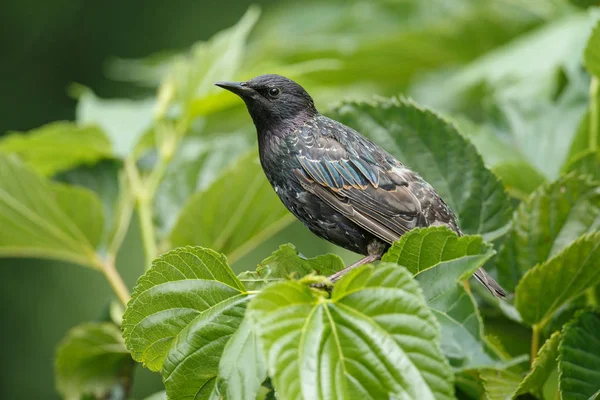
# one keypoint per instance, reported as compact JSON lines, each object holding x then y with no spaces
{"x":192,"y":77}
{"x":423,"y":248}
{"x":532,"y":89}
{"x":548,"y":286}
{"x":57,"y":146}
{"x":585,"y":163}
{"x":242,"y":368}
{"x":181,"y":315}
{"x":441,"y":260}
{"x":286,"y":263}
{"x":499,"y":384}
{"x":162,"y":395}
{"x":41,"y":219}
{"x":579,"y":357}
{"x":552,"y":217}
{"x":371,"y":341}
{"x":92,"y":360}
{"x":234,"y":214}
{"x":196,"y":165}
{"x":520,"y":179}
{"x":418,"y":36}
{"x":83,"y":207}
{"x":542,"y":368}
{"x":591,"y":55}
{"x":494,"y":149}
{"x":123,"y":121}
{"x":434,"y":148}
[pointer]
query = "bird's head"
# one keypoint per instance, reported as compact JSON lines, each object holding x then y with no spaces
{"x":272,"y":100}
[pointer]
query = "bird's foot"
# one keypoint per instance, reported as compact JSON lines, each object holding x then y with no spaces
{"x":368,"y":259}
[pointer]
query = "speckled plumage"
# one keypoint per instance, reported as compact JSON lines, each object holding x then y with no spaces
{"x":342,"y":186}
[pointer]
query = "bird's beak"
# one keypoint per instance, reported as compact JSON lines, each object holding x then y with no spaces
{"x":239,"y":88}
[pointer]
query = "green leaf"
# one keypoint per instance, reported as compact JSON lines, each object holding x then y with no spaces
{"x":192,"y":77}
{"x":242,"y":368}
{"x":423,"y":248}
{"x":579,"y":357}
{"x":92,"y":360}
{"x":520,"y":178}
{"x":441,"y":260}
{"x":107,"y":180}
{"x":83,"y":207}
{"x":591,"y":55}
{"x":286,"y":263}
{"x":367,"y":35}
{"x":548,"y":286}
{"x":234,"y":214}
{"x":434,"y":148}
{"x":162,"y":395}
{"x":532,"y":87}
{"x":542,"y":368}
{"x":41,"y":219}
{"x":123,"y":121}
{"x":57,"y":146}
{"x":552,"y":217}
{"x":196,"y":165}
{"x":585,"y":163}
{"x":499,"y":384}
{"x":181,"y":314}
{"x":374,"y":339}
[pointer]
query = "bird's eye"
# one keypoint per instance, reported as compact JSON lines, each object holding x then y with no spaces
{"x":274,"y":92}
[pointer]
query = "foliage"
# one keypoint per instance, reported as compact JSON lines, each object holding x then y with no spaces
{"x":512,"y":147}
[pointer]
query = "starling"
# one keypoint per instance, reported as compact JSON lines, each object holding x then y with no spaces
{"x":342,"y":186}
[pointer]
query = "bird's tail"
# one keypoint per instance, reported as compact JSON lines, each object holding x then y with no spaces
{"x":489,"y":283}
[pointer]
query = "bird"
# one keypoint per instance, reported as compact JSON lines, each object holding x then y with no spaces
{"x":342,"y":186}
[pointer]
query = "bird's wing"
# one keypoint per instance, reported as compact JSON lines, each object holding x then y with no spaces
{"x":372,"y":193}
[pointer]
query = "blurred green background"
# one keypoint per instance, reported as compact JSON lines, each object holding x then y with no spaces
{"x":471,"y":59}
{"x":45,"y":46}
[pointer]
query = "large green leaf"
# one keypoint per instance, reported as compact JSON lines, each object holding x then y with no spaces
{"x":43,"y":219}
{"x":124,"y":121}
{"x":548,"y":286}
{"x":542,"y":368}
{"x":242,"y":368}
{"x":434,"y":148}
{"x":181,"y":314}
{"x":579,"y":357}
{"x":92,"y":360}
{"x":441,"y":260}
{"x":234,"y":214}
{"x":551,"y":218}
{"x":375,"y":338}
{"x":591,"y":55}
{"x":58,"y":146}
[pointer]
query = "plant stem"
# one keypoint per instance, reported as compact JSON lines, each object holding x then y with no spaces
{"x":535,"y":342}
{"x":593,"y":133}
{"x":144,"y":209}
{"x":115,"y":281}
